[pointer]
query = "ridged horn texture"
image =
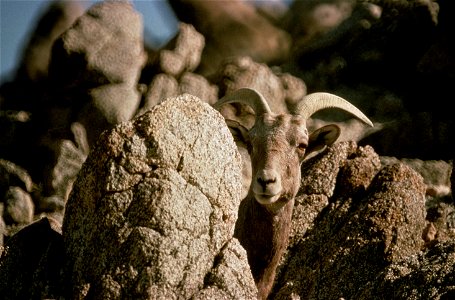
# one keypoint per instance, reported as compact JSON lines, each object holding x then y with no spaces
{"x":246,"y":96}
{"x":314,"y":102}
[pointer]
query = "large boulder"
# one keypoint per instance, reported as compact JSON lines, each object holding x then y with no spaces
{"x":105,"y":45}
{"x":24,"y":118}
{"x":366,"y":218}
{"x":153,"y":209}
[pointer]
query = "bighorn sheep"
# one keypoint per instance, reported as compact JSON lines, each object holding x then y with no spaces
{"x":277,"y":143}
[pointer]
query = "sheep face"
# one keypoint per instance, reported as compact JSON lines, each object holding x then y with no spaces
{"x":278,"y":145}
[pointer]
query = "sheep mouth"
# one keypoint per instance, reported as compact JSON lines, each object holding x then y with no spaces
{"x":266,"y":198}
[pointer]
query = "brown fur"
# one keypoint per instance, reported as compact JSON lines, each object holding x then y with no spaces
{"x":265,"y":239}
{"x":263,"y":230}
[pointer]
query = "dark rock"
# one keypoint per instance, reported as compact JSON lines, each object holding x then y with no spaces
{"x":3,"y":231}
{"x":375,"y":53}
{"x":16,"y":132}
{"x":327,"y":175}
{"x":31,"y":262}
{"x":428,"y":275}
{"x":368,"y":225}
{"x":57,"y":18}
{"x":452,"y":180}
{"x":232,"y":28}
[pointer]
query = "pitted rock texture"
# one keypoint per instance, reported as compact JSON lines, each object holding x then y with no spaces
{"x":428,"y":275}
{"x":227,"y":279}
{"x":436,"y":173}
{"x":371,"y":219}
{"x":153,"y":205}
{"x":344,"y":168}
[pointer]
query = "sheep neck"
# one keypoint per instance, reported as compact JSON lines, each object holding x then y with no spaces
{"x":264,"y":232}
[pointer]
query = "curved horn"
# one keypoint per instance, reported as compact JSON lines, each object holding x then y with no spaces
{"x":314,"y":102}
{"x":246,"y":96}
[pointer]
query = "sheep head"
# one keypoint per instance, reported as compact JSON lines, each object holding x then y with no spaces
{"x":278,"y":143}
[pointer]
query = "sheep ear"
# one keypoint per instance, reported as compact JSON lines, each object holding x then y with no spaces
{"x":239,"y":132}
{"x":324,"y":136}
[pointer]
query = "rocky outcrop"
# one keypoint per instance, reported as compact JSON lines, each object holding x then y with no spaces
{"x":371,"y":219}
{"x":182,"y":53}
{"x":30,"y":80}
{"x":132,"y":196}
{"x":364,"y":224}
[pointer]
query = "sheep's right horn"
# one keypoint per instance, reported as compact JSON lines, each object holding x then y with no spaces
{"x":314,"y":102}
{"x":246,"y":96}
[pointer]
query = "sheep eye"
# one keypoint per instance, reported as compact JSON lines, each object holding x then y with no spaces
{"x":301,"y":146}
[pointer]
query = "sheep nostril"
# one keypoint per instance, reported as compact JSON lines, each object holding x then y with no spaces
{"x":265,"y":182}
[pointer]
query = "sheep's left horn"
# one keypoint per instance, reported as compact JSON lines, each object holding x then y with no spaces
{"x":246,"y":96}
{"x":314,"y":102}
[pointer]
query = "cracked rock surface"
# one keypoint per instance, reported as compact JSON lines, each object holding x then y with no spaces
{"x":154,"y":204}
